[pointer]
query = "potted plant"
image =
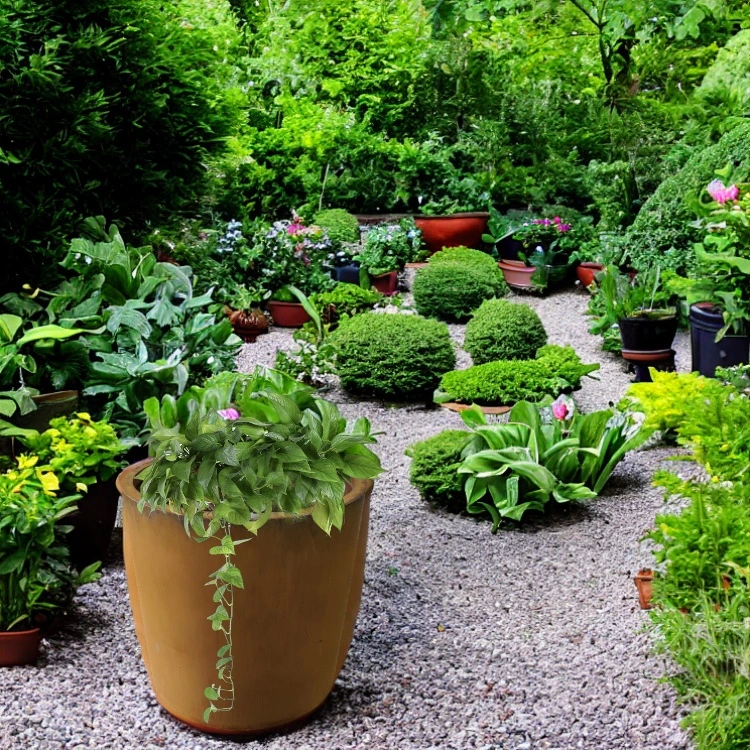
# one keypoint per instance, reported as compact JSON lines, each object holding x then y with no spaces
{"x":247,"y":319}
{"x":501,"y":229}
{"x":86,"y":455}
{"x":388,"y":248}
{"x":286,"y":309}
{"x":37,"y":580}
{"x":450,"y":222}
{"x":257,"y":450}
{"x":718,"y":293}
{"x":344,"y":266}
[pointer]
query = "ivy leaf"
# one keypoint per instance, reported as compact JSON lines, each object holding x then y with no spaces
{"x":232,"y":576}
{"x":211,"y":693}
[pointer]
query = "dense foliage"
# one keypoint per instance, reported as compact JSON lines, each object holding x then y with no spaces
{"x":504,"y":330}
{"x":392,"y":356}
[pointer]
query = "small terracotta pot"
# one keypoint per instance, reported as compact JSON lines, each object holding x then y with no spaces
{"x":293,"y":621}
{"x":455,"y":230}
{"x":517,"y":274}
{"x":586,"y":273}
{"x":386,"y":283}
{"x":248,"y":324}
{"x":287,"y":314}
{"x":18,"y":648}
{"x":644,"y":580}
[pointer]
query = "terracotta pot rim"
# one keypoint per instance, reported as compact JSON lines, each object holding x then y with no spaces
{"x":10,"y":633}
{"x":463,"y":215}
{"x":356,"y":489}
{"x":516,"y":268}
{"x":283,"y":304}
{"x":592,"y":264}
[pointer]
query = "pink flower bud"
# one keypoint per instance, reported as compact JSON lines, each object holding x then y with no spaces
{"x":562,"y":409}
{"x":230,"y":414}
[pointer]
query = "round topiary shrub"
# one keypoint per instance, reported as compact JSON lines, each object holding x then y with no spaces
{"x":340,"y":225}
{"x":434,"y":469}
{"x":452,"y":291}
{"x":464,"y":256}
{"x":393,"y":356}
{"x":504,"y":330}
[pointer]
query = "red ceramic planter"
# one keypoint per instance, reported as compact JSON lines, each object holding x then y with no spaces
{"x":586,"y":273}
{"x":457,"y":230}
{"x":287,"y":314}
{"x":18,"y":648}
{"x":386,"y":283}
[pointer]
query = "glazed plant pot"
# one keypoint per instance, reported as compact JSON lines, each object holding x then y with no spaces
{"x":287,"y":314}
{"x":644,"y":581}
{"x":586,"y":273}
{"x":248,"y":324}
{"x":706,"y":320}
{"x":48,"y":407}
{"x":647,"y":333}
{"x":385,"y":283}
{"x":517,"y":274}
{"x":93,"y":523}
{"x":18,"y":648}
{"x":346,"y":274}
{"x":292,"y":623}
{"x":510,"y":249}
{"x":456,"y":230}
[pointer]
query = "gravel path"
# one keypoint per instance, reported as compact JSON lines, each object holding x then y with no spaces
{"x":528,"y":639}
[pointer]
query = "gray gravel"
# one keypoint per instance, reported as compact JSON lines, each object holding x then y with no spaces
{"x":528,"y":639}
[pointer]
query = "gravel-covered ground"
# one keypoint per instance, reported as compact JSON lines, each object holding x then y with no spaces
{"x":531,"y":638}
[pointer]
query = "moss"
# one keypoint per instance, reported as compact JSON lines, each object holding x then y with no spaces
{"x":393,"y":356}
{"x":434,"y":469}
{"x":504,"y":330}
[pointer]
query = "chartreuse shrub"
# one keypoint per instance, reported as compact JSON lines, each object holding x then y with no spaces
{"x":542,"y":454}
{"x":434,"y":468}
{"x":340,"y":225}
{"x":452,"y":291}
{"x":108,"y":108}
{"x":392,"y":356}
{"x":464,"y":256}
{"x":504,"y":330}
{"x":556,"y":369}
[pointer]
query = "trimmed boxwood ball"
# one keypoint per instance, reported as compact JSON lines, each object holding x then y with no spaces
{"x":464,"y":256}
{"x":452,"y":291}
{"x":504,"y":330}
{"x":392,"y":356}
{"x":340,"y":225}
{"x":434,"y":468}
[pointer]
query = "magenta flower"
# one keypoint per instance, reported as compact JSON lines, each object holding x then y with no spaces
{"x":721,"y":193}
{"x":294,"y":229}
{"x":562,"y":228}
{"x":562,"y":408}
{"x":230,"y":414}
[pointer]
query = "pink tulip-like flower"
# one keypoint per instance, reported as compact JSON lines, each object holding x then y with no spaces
{"x":562,"y":409}
{"x":721,"y":193}
{"x":230,"y":414}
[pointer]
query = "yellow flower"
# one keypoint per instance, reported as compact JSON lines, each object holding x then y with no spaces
{"x":27,"y":462}
{"x":83,"y":416}
{"x":50,"y":483}
{"x":715,"y":479}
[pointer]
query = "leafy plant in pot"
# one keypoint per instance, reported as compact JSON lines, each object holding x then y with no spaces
{"x":388,"y":248}
{"x":37,"y":580}
{"x":258,"y":450}
{"x":245,"y":315}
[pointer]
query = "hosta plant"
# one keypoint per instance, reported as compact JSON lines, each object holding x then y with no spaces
{"x":543,"y":453}
{"x":249,"y":445}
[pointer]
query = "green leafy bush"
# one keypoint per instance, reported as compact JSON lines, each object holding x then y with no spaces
{"x":344,"y":300}
{"x":542,"y":454}
{"x":556,"y":369}
{"x":504,"y":330}
{"x":451,"y":291}
{"x":464,"y":256}
{"x":340,"y":225}
{"x":392,"y":355}
{"x":434,"y":468}
{"x":662,"y":233}
{"x":108,"y":108}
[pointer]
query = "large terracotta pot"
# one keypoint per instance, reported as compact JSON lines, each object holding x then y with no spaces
{"x":452,"y":231}
{"x":293,"y":621}
{"x":18,"y":648}
{"x":287,"y":314}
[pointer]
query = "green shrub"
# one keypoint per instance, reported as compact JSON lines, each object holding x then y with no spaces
{"x":662,"y":233}
{"x":504,"y":330}
{"x":344,"y":300}
{"x":108,"y":108}
{"x":556,"y":369}
{"x":392,"y":355}
{"x":451,"y":291}
{"x":434,"y":468}
{"x":464,"y":256}
{"x":340,"y":225}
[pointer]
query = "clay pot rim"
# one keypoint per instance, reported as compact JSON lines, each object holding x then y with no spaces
{"x":592,"y":264}
{"x":512,"y":267}
{"x":31,"y":631}
{"x":463,"y":215}
{"x":355,"y":490}
{"x":282,"y":303}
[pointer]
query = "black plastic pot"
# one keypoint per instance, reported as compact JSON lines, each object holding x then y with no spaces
{"x":346,"y":274}
{"x":706,"y":321}
{"x":647,"y":333}
{"x":509,"y":249}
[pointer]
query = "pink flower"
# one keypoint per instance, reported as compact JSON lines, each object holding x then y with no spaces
{"x":562,"y":408}
{"x":562,"y":228}
{"x":294,"y":229}
{"x":721,"y":193}
{"x":230,"y":414}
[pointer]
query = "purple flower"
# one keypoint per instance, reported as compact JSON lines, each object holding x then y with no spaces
{"x":721,"y":193}
{"x":562,"y":408}
{"x":230,"y":414}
